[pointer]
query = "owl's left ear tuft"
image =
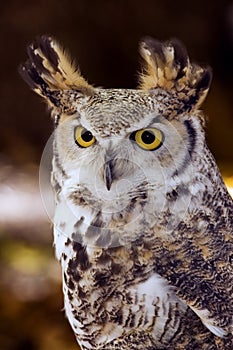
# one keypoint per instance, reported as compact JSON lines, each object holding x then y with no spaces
{"x":50,"y":73}
{"x":167,"y":66}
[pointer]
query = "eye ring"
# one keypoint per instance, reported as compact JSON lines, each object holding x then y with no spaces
{"x":83,"y":137}
{"x":148,"y":139}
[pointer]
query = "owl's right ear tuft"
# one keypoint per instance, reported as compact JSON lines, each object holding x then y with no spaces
{"x":167,"y":66}
{"x":50,"y":73}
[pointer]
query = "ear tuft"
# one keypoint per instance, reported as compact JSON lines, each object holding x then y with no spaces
{"x":167,"y":66}
{"x":50,"y":72}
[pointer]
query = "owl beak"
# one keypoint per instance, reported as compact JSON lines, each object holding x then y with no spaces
{"x":108,"y":171}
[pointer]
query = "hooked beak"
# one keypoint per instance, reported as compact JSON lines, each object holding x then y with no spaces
{"x":108,"y":174}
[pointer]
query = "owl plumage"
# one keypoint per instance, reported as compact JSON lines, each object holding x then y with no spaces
{"x":143,"y":222}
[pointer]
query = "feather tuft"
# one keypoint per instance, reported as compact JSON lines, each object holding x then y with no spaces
{"x":167,"y":66}
{"x":50,"y":72}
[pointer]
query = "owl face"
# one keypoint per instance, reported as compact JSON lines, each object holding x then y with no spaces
{"x":124,"y":169}
{"x":114,"y":149}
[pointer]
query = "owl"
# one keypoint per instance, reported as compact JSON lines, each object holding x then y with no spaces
{"x":143,"y":221}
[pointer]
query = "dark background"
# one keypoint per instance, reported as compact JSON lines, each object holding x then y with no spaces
{"x":103,"y":38}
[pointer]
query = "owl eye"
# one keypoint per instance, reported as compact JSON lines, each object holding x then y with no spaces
{"x":148,"y":139}
{"x":83,"y":137}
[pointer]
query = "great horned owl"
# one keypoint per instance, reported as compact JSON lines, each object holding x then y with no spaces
{"x":143,"y":222}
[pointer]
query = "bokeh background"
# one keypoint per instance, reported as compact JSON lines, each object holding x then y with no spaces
{"x":103,"y":36}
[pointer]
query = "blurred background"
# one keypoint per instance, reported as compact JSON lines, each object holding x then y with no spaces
{"x":103,"y":36}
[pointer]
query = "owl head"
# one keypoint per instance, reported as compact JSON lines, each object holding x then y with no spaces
{"x":113,"y":141}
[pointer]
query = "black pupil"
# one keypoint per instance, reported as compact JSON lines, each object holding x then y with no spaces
{"x":148,"y":137}
{"x":87,"y":136}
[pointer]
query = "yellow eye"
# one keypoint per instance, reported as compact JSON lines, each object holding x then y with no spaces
{"x":148,"y":139}
{"x":83,"y":137}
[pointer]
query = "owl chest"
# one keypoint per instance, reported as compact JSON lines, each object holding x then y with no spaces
{"x":108,"y":294}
